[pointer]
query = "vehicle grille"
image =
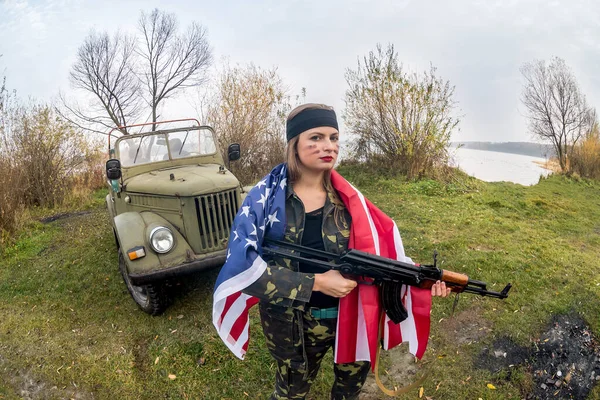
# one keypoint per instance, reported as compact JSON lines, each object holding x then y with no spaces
{"x":215,"y":213}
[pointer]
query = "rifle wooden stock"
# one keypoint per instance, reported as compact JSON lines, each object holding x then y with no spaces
{"x":454,"y":280}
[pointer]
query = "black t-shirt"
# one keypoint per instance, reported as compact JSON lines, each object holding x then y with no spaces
{"x":313,"y":238}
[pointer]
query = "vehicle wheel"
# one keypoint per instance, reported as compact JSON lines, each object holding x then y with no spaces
{"x":152,"y":299}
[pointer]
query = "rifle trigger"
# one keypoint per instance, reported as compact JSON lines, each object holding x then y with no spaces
{"x":454,"y":304}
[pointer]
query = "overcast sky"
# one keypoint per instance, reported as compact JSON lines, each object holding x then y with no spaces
{"x":477,"y":45}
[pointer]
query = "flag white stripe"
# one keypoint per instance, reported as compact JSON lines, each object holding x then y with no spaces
{"x":362,"y":345}
{"x":386,"y":333}
{"x":237,"y":308}
{"x":409,"y":328}
{"x":374,"y":233}
{"x":234,"y":285}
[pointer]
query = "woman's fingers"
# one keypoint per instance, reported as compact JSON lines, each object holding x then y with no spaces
{"x":334,"y":284}
{"x":439,"y":289}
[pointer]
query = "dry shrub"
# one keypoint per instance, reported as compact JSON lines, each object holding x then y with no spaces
{"x":45,"y":161}
{"x":400,"y":121}
{"x":11,"y":199}
{"x":250,"y":108}
{"x":49,"y":152}
{"x":585,"y":159}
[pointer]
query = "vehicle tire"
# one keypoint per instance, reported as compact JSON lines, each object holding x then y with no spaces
{"x":152,"y":299}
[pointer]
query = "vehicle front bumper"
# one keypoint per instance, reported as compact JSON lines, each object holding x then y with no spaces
{"x":214,"y":260}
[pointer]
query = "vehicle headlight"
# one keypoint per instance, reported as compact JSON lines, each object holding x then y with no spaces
{"x":161,"y":239}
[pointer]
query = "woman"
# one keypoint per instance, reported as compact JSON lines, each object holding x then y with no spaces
{"x":299,"y":302}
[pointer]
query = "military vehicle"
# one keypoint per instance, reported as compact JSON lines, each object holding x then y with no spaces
{"x":171,"y":203}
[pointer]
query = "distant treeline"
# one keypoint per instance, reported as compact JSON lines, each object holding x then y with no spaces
{"x":523,"y":148}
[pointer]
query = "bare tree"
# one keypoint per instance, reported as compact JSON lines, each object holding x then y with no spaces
{"x":403,"y":120}
{"x":556,"y":108}
{"x":127,"y":78}
{"x":104,"y":69}
{"x":171,"y":62}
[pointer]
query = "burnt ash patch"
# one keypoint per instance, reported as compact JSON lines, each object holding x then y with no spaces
{"x":56,"y":217}
{"x":564,"y":362}
{"x":503,"y":354}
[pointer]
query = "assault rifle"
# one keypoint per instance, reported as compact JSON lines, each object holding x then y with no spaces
{"x":387,"y":273}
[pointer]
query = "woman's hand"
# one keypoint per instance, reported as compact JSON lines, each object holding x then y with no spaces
{"x":332,"y":283}
{"x":439,"y":289}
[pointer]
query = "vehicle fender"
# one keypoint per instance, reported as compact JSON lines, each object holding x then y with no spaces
{"x":133,"y":230}
{"x":110,"y":205}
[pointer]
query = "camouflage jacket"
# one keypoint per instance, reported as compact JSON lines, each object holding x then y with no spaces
{"x":281,"y":283}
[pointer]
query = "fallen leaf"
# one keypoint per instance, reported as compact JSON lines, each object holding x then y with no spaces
{"x":490,"y":386}
{"x":156,"y":361}
{"x":421,"y":390}
{"x":438,"y":386}
{"x":172,"y":376}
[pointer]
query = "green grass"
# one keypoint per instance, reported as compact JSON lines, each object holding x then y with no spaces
{"x":68,"y":324}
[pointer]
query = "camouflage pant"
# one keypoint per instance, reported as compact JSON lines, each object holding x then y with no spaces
{"x":298,"y":346}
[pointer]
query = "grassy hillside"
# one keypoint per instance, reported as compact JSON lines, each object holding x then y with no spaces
{"x":68,"y":328}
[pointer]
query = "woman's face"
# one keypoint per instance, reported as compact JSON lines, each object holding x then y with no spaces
{"x":318,"y":148}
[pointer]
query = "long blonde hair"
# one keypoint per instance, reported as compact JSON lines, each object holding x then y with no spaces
{"x":294,"y":163}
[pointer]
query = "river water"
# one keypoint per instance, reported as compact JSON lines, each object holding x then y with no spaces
{"x":492,"y":166}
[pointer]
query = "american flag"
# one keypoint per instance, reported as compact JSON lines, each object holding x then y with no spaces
{"x":263,"y":215}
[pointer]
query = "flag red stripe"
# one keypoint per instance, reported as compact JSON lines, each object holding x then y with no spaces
{"x":421,"y":300}
{"x":240,"y":323}
{"x":346,"y":335}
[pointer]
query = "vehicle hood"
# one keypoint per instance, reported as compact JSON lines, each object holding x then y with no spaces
{"x":188,"y":180}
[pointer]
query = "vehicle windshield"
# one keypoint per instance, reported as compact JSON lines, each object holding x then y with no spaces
{"x":156,"y":147}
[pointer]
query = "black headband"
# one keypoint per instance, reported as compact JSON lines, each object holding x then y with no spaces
{"x":309,"y":119}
